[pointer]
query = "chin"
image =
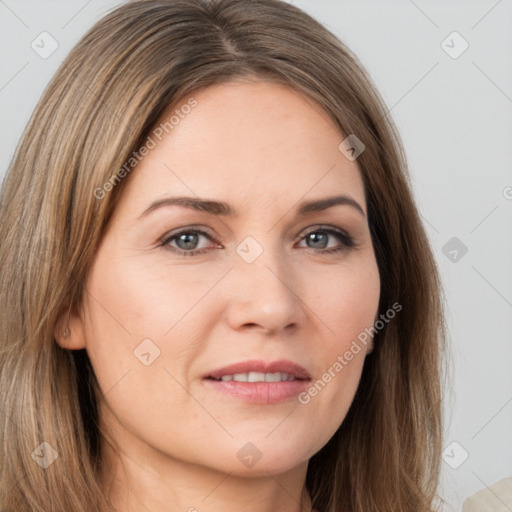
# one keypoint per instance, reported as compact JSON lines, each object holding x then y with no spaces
{"x":261,"y":457}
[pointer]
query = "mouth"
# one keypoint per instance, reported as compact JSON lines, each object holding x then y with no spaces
{"x":257,"y":377}
{"x":260,"y":382}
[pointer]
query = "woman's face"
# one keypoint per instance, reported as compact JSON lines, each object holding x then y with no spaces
{"x":253,"y":269}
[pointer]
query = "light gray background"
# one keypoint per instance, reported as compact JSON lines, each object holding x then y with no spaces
{"x":454,"y":115}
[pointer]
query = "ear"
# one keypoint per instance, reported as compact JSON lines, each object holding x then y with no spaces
{"x":69,"y":331}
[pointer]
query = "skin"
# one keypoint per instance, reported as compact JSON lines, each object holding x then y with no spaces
{"x":264,"y":149}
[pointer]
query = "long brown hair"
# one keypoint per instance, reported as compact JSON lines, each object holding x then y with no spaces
{"x":97,"y":110}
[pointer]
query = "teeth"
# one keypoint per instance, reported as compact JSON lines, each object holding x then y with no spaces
{"x":258,"y":377}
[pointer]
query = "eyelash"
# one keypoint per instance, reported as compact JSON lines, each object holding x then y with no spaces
{"x":346,"y":240}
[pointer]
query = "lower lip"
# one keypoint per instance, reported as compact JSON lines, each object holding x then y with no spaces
{"x":260,"y":392}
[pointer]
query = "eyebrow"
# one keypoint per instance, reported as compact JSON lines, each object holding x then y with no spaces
{"x":224,"y":209}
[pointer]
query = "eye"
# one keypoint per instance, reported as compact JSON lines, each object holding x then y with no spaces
{"x":190,"y":242}
{"x":187,"y":242}
{"x":321,"y":238}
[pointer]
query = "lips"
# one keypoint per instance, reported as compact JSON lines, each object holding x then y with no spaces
{"x":281,"y":366}
{"x":272,"y":391}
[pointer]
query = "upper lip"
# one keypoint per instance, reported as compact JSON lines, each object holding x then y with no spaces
{"x":283,"y":366}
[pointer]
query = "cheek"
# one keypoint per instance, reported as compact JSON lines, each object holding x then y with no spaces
{"x":136,"y":340}
{"x":135,"y":300}
{"x":136,"y":309}
{"x":348,"y":305}
{"x":347,"y":301}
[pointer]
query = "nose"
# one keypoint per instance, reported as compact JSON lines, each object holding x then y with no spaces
{"x":264,"y":295}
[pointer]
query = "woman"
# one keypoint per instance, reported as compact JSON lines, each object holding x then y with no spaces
{"x":215,"y":283}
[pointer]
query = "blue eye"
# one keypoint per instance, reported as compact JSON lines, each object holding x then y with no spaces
{"x":188,"y":242}
{"x":319,"y":239}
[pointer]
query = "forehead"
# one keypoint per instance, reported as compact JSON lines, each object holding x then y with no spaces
{"x":246,"y":142}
